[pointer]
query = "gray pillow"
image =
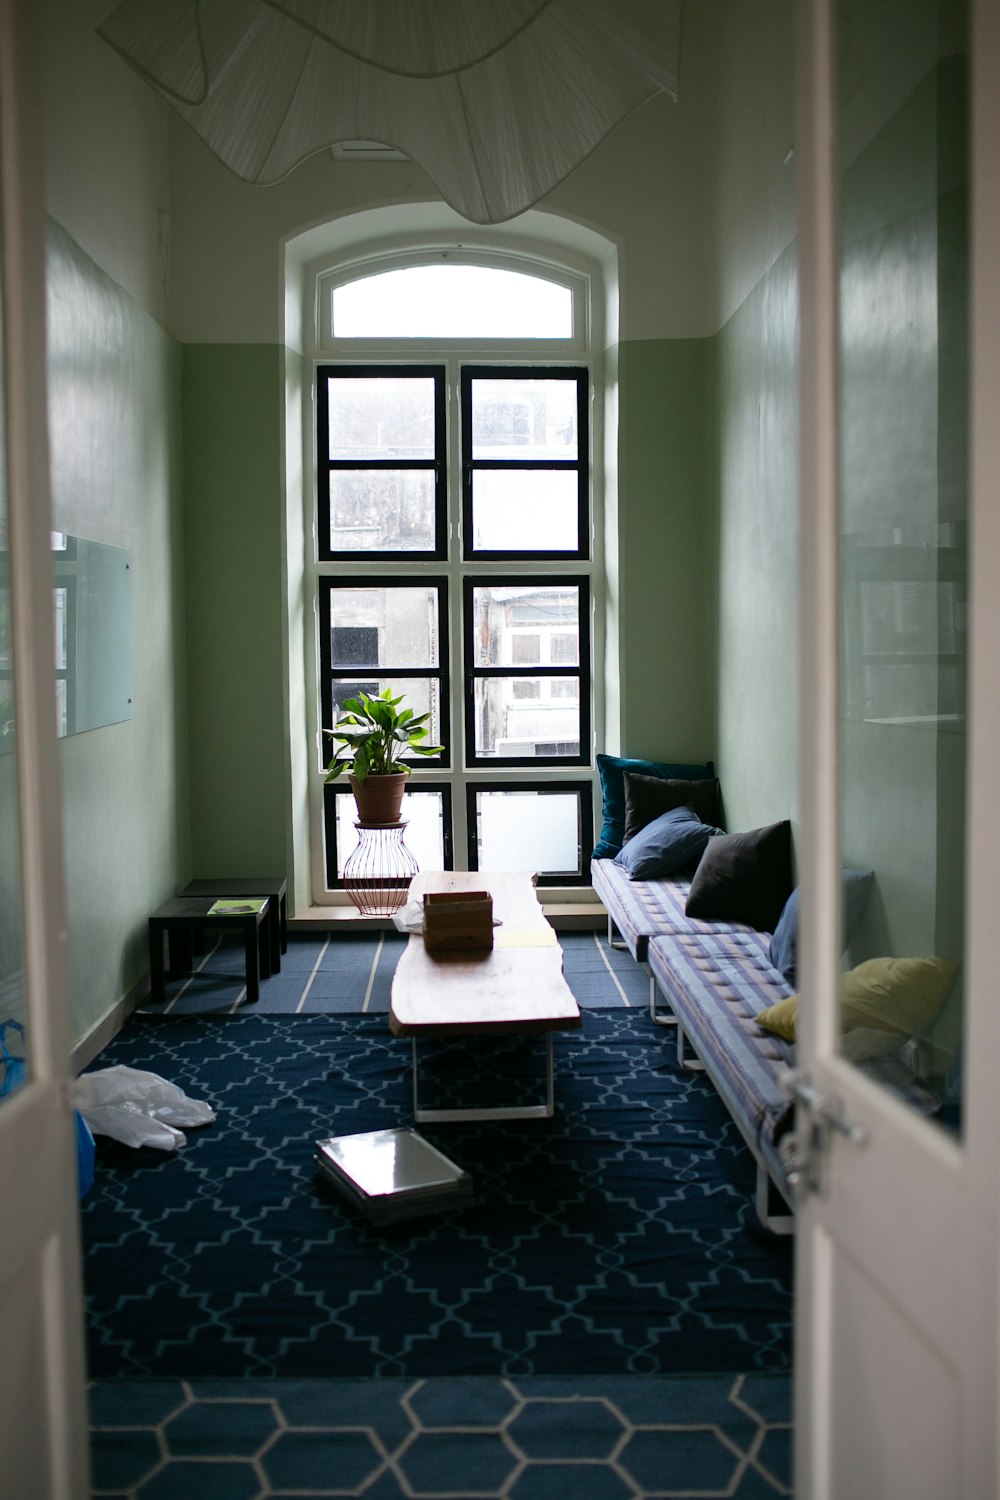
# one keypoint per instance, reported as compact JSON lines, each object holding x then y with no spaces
{"x":673,"y":840}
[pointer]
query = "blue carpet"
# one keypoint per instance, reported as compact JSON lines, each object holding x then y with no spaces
{"x":592,"y":1438}
{"x":617,"y":1238}
{"x":350,"y":974}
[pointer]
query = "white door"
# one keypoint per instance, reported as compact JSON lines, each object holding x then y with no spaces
{"x":43,"y":1448}
{"x":897,"y":1250}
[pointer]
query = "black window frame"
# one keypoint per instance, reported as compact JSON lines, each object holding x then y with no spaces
{"x":325,"y":465}
{"x":582,"y":670}
{"x":330,"y":584}
{"x":580,"y":374}
{"x":584,"y":791}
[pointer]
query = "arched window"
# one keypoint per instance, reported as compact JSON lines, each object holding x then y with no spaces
{"x":455,"y":546}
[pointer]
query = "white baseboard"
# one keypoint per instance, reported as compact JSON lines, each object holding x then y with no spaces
{"x":108,"y":1026}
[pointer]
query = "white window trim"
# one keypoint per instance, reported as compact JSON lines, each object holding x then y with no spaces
{"x":584,"y":349}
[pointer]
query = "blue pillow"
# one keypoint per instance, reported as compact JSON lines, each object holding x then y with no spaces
{"x":611,"y":769}
{"x":673,"y":840}
{"x":784,"y":941}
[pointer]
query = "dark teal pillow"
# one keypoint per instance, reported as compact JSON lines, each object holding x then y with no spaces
{"x":671,"y":841}
{"x":611,"y":769}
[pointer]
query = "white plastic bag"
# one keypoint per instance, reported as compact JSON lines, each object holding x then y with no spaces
{"x":409,"y":918}
{"x":138,"y":1108}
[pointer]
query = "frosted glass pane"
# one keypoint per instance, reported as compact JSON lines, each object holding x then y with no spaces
{"x":452,"y":301}
{"x":423,"y":812}
{"x":529,"y":831}
{"x":517,"y":511}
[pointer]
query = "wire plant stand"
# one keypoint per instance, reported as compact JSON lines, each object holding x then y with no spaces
{"x":378,"y":872}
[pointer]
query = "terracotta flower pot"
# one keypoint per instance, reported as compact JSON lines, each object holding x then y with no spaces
{"x":379,"y":798}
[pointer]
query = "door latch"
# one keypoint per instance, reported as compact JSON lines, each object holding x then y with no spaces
{"x":805,"y":1151}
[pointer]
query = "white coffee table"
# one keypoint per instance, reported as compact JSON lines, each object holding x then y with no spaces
{"x":518,"y":988}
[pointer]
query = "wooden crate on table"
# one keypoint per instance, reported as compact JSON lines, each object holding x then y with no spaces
{"x":458,"y":921}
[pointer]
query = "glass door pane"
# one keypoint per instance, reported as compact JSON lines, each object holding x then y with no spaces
{"x":902,"y":75}
{"x":12,"y":991}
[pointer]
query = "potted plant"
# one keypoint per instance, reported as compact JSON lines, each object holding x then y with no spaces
{"x":372,"y":735}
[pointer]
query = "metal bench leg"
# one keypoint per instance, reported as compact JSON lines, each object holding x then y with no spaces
{"x":505,"y":1112}
{"x":612,"y":941}
{"x":767,"y":1193}
{"x":657,"y":1016}
{"x":692,"y":1064}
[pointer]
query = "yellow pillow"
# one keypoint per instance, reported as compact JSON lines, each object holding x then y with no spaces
{"x":896,"y":994}
{"x":885,"y":994}
{"x":781,"y":1018}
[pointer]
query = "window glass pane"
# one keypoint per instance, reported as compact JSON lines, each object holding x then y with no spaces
{"x":382,"y":510}
{"x":529,"y":831}
{"x":13,"y":995}
{"x":510,"y":727}
{"x":527,"y":419}
{"x":516,"y":510}
{"x":423,"y":812}
{"x":381,"y":417}
{"x":904,"y":577}
{"x":379,"y":627}
{"x":423,"y":695}
{"x":515,"y":625}
{"x":452,"y":301}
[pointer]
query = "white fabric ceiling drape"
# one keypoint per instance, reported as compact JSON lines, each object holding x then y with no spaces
{"x":497,"y":100}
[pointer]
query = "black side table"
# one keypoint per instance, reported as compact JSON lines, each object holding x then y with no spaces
{"x":182,"y":917}
{"x":277,"y":927}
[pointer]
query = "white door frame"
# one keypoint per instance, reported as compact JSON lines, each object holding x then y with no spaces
{"x":43,"y":1452}
{"x":899,"y":1249}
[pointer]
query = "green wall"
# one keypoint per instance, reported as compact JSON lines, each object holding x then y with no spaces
{"x":234,"y":554}
{"x":664,"y":592}
{"x":114,"y":415}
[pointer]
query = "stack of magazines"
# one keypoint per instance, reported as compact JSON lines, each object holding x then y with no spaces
{"x":392,"y":1174}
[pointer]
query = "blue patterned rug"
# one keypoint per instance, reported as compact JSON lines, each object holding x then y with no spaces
{"x":617,"y":1238}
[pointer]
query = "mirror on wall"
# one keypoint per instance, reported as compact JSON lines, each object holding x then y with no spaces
{"x":92,"y":602}
{"x":92,"y":585}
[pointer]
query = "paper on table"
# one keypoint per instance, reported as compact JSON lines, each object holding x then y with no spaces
{"x":525,"y":937}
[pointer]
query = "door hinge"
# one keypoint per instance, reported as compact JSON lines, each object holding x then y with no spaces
{"x":817,"y":1116}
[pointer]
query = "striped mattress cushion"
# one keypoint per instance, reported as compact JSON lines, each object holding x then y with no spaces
{"x":717,"y":984}
{"x":641,"y":909}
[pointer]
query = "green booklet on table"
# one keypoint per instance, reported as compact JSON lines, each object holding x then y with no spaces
{"x":237,"y":905}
